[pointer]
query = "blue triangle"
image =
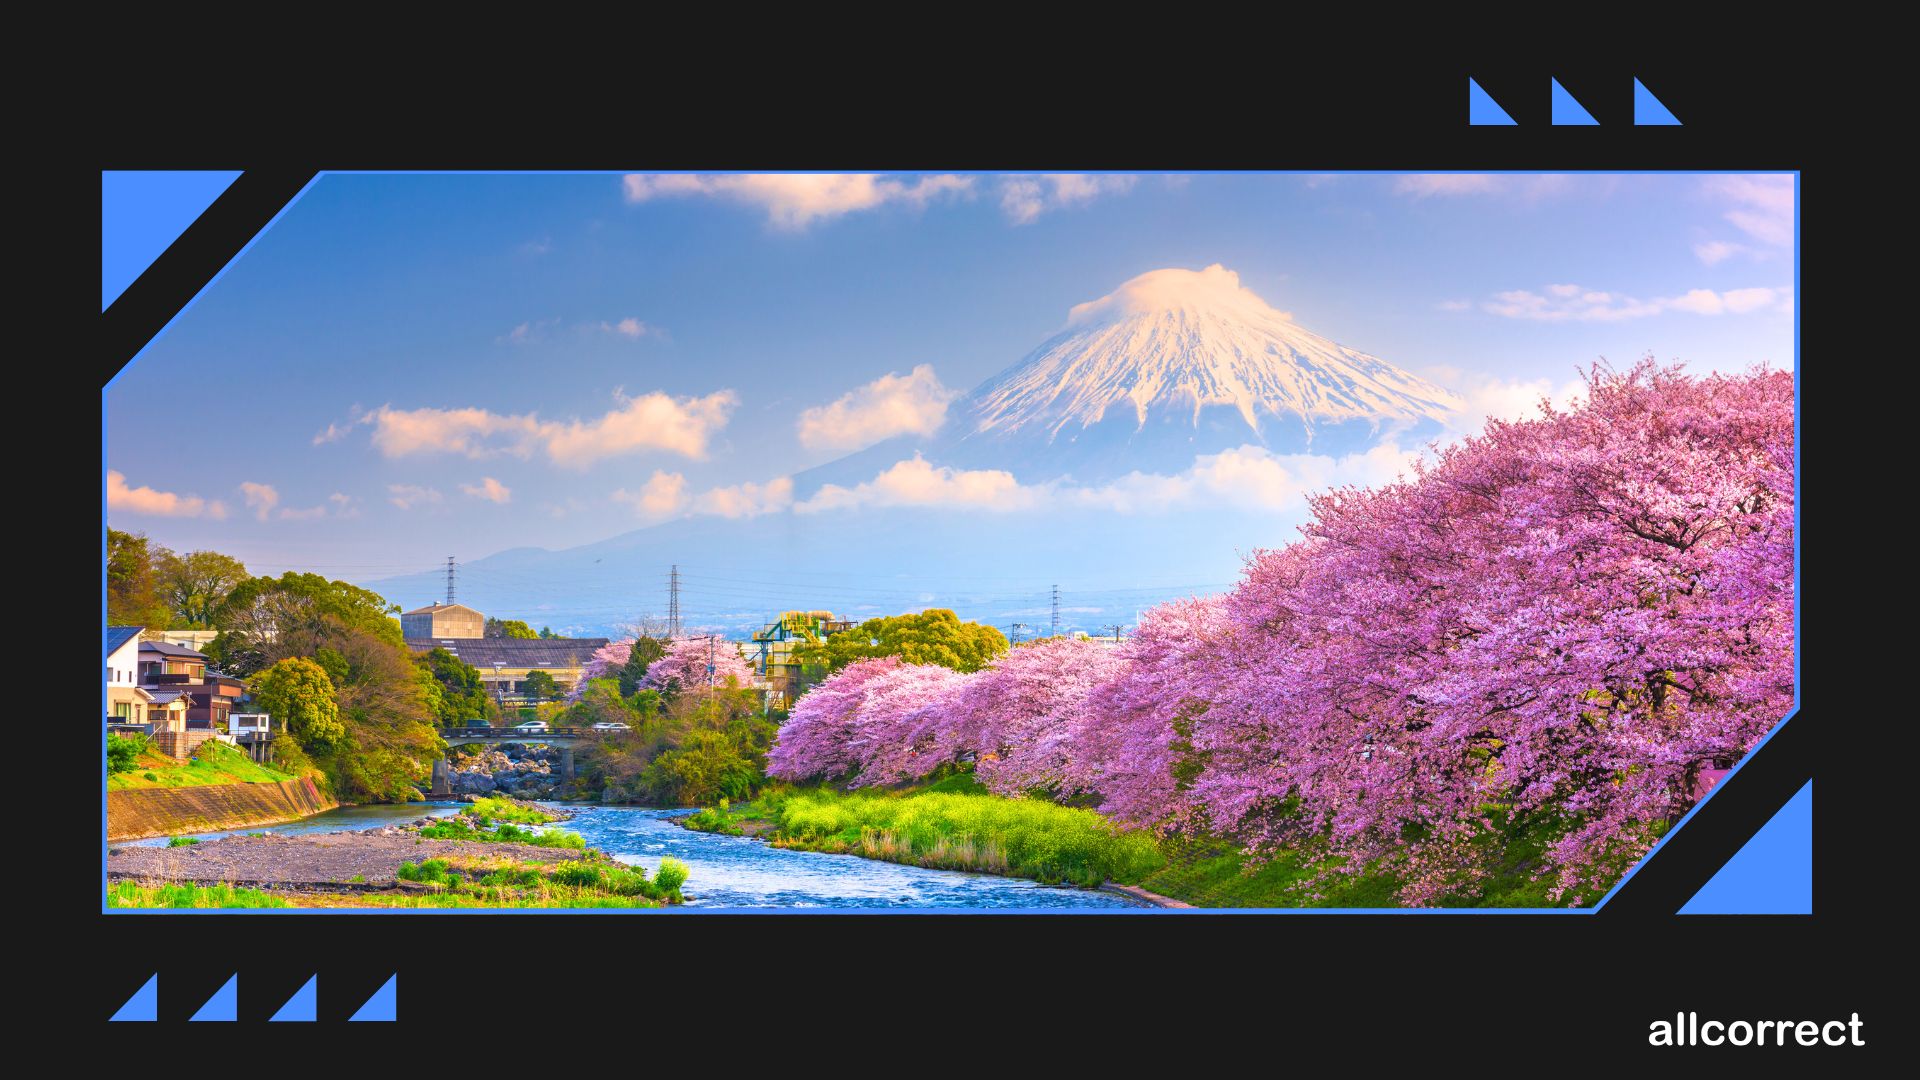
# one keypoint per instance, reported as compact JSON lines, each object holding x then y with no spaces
{"x":1567,"y":111}
{"x":143,"y":1005}
{"x":1648,"y":111}
{"x":1772,"y":874}
{"x":383,"y":1005}
{"x":1482,"y":110}
{"x":301,"y":1007}
{"x":223,"y":1005}
{"x":142,"y":214}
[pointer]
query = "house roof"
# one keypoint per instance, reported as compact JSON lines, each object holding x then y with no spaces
{"x":120,"y":635}
{"x":164,"y":697}
{"x":432,"y":609}
{"x":166,"y":649}
{"x":542,"y":653}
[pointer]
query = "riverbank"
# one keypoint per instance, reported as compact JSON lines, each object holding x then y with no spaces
{"x":955,"y":824}
{"x":950,"y":825}
{"x":483,"y":858}
{"x":139,"y":813}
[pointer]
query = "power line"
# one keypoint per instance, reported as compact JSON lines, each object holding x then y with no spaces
{"x":673,"y":602}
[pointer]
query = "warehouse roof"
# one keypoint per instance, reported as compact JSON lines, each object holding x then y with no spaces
{"x":543,"y":653}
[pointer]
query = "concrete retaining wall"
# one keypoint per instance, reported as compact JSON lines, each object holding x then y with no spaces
{"x":142,"y":812}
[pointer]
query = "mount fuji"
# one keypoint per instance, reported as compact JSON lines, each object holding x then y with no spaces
{"x":1170,"y":367}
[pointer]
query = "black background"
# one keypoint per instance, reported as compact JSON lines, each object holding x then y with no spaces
{"x":1479,"y":992}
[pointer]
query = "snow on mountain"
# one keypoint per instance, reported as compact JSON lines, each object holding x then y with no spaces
{"x":1185,"y":340}
{"x":1171,"y":365}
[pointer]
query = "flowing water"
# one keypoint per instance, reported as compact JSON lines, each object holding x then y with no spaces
{"x":741,"y":872}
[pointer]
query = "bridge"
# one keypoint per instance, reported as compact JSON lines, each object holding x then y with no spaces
{"x":564,"y":737}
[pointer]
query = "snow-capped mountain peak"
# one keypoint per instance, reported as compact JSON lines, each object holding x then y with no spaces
{"x":1171,"y":344}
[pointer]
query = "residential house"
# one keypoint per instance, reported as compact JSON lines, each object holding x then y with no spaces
{"x":127,"y":700}
{"x":180,"y":674}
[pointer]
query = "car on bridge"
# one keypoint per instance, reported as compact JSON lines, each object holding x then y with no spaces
{"x":612,"y":725}
{"x":531,"y":725}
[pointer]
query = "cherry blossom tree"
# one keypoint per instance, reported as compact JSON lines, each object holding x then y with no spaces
{"x":1570,"y":615}
{"x":816,"y":742}
{"x":684,"y":665}
{"x":1021,"y":714}
{"x":605,"y":663}
{"x":898,"y":726}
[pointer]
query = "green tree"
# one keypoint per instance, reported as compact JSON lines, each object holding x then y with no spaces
{"x":540,"y":686}
{"x":508,"y":628}
{"x":264,"y":619}
{"x":133,"y":588}
{"x":934,"y":636}
{"x":645,"y":651}
{"x":547,"y":632}
{"x":194,"y":585}
{"x":458,"y":694}
{"x":298,"y":692}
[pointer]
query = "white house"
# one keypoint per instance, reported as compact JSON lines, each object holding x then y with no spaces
{"x":127,"y":700}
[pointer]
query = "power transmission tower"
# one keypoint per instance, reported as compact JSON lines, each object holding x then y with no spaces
{"x":1115,"y":627}
{"x":1013,"y":632}
{"x":673,"y":602}
{"x":1056,"y":612}
{"x":449,"y":580}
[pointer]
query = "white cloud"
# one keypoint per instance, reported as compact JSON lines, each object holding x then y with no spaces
{"x":628,"y":327}
{"x":1762,"y":205}
{"x":1430,"y":185}
{"x":334,"y":433}
{"x":146,"y":500}
{"x":1484,"y":397}
{"x":663,"y":494}
{"x":260,"y":498}
{"x":528,"y":333}
{"x":894,"y":404}
{"x":1563,"y":303}
{"x":1248,"y":477}
{"x":651,"y":421}
{"x":919,"y":483}
{"x":311,"y":513}
{"x":1024,"y":198}
{"x":795,"y":201}
{"x":747,"y":500}
{"x":344,"y":505}
{"x":489,"y":489}
{"x":1714,"y":252}
{"x":1455,"y":305}
{"x":666,"y":494}
{"x":408,"y":496}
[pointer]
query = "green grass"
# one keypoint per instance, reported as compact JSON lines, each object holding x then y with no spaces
{"x":214,"y":763}
{"x":953,"y":824}
{"x":459,"y":828}
{"x":494,"y":808}
{"x":183,"y":841}
{"x":1029,"y":838}
{"x":127,"y":894}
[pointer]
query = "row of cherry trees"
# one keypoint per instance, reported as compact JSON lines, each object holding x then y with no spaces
{"x":681,"y":666}
{"x":1563,"y":619}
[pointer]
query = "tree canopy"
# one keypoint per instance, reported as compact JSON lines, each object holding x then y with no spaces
{"x":133,"y":586}
{"x":934,"y":636}
{"x":299,"y":694}
{"x":509,"y":628}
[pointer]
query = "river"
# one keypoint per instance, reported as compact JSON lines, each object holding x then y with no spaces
{"x":741,"y":872}
{"x":737,"y":871}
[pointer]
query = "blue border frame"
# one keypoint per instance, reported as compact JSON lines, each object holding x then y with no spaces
{"x":1141,"y":910}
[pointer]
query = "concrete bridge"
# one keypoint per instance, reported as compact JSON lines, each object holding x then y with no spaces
{"x":563,"y":737}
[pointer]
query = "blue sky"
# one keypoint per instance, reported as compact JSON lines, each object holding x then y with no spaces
{"x":411,"y":366}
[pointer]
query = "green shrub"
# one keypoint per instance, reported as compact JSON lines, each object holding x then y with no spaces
{"x":671,"y":875}
{"x":183,"y":841}
{"x":123,"y":752}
